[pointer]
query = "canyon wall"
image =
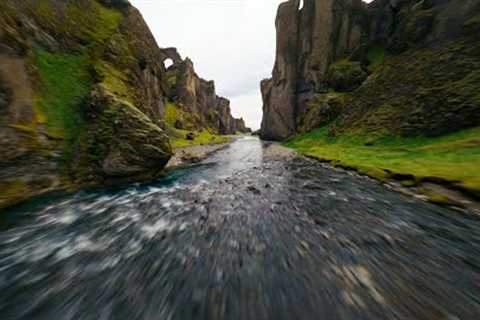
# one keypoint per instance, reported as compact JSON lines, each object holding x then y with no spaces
{"x":197,"y":98}
{"x":83,"y":97}
{"x":407,"y":67}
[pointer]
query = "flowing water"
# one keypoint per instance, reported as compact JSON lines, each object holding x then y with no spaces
{"x":240,"y":236}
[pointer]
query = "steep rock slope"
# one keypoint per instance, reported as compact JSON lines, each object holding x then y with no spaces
{"x":197,"y":99}
{"x":83,"y":96}
{"x":406,"y":67}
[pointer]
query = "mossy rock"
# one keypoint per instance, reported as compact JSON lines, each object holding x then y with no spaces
{"x":121,"y":141}
{"x":321,"y":110}
{"x":12,"y":192}
{"x":345,"y":75}
{"x":427,"y":91}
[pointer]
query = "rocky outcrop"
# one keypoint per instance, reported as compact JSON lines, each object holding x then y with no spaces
{"x":196,"y":96}
{"x":374,"y":55}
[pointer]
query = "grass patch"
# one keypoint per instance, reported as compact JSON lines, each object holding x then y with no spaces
{"x":65,"y":84}
{"x":454,"y":157}
{"x":178,"y":136}
{"x":171,"y":113}
{"x":203,"y":137}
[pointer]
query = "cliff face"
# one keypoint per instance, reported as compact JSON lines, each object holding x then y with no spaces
{"x":83,"y":95}
{"x":356,"y":65}
{"x":195,"y":96}
{"x":308,"y":40}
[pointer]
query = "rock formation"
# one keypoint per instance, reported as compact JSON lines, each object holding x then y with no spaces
{"x":83,"y":94}
{"x":365,"y":58}
{"x":196,"y":96}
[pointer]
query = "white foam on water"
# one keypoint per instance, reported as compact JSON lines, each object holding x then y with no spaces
{"x":161,"y":225}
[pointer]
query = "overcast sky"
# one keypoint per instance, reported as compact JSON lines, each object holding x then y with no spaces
{"x":229,"y":41}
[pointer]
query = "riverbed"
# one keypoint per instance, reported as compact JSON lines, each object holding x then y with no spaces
{"x":252,"y":232}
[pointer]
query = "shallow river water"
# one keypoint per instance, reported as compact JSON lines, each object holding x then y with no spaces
{"x":240,"y":236}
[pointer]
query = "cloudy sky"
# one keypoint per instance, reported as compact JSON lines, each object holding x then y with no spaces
{"x":229,"y":41}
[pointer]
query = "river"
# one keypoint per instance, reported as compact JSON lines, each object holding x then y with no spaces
{"x":241,"y":235}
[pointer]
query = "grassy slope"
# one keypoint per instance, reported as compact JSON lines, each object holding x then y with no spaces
{"x":60,"y":100}
{"x":383,"y":127}
{"x":454,"y":157}
{"x":66,"y":78}
{"x":178,"y":137}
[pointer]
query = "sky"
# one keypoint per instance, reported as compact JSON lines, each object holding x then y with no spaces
{"x":229,"y":41}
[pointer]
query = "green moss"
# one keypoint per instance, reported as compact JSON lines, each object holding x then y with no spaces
{"x":65,"y":83}
{"x":114,"y":80}
{"x":119,"y":52}
{"x":87,"y":21}
{"x":12,"y":192}
{"x":45,"y":12}
{"x":178,"y":136}
{"x":345,"y":75}
{"x":453,"y":157}
{"x":24,"y":128}
{"x":420,"y":92}
{"x":6,"y":9}
{"x":321,"y":110}
{"x":172,"y":78}
{"x":375,"y":57}
{"x":171,"y":114}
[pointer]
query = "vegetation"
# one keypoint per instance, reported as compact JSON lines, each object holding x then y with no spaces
{"x":114,"y":81}
{"x":12,"y":192}
{"x":453,"y":157}
{"x":65,"y":84}
{"x":419,"y":92}
{"x":204,"y":137}
{"x":345,"y":75}
{"x":321,"y":110}
{"x":178,"y":137}
{"x":66,"y":78}
{"x":92,"y":25}
{"x":375,"y":57}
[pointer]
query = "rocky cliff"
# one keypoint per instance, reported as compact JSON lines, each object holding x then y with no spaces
{"x":408,"y":67}
{"x":197,"y":99}
{"x":83,"y":96}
